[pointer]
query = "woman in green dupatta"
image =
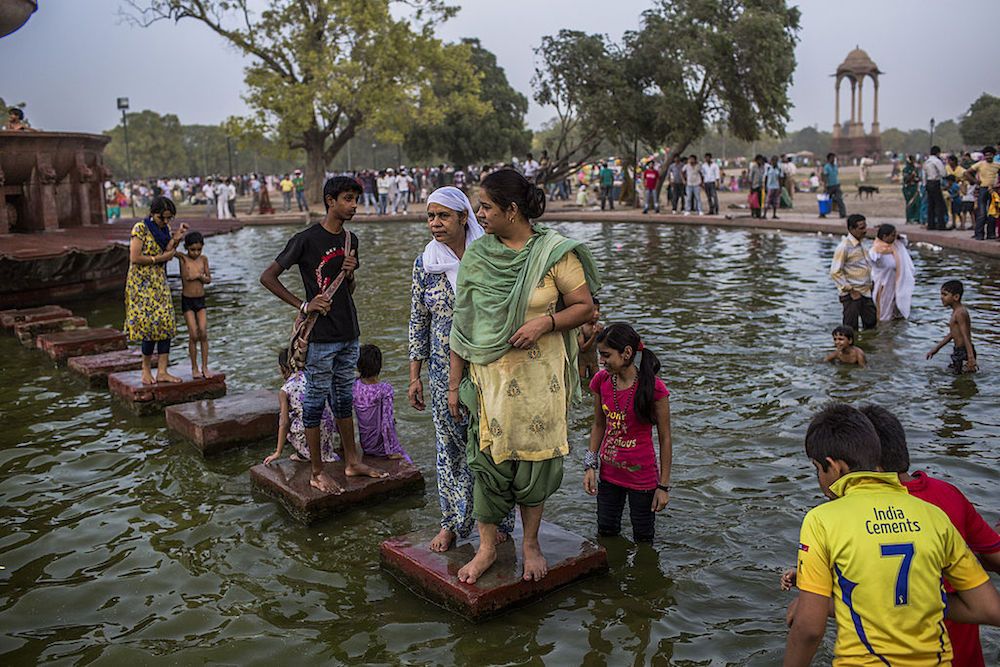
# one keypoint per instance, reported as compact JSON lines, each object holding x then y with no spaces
{"x":523,"y":290}
{"x":911,"y":189}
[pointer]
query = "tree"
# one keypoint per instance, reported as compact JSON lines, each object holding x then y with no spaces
{"x":153,"y":144}
{"x":493,"y":130}
{"x":979,"y":124}
{"x":717,"y":61}
{"x":322,"y":69}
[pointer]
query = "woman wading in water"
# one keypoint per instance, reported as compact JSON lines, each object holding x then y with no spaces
{"x":522,"y":291}
{"x":454,"y":227}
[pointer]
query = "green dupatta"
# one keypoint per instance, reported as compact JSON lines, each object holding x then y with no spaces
{"x":494,"y":286}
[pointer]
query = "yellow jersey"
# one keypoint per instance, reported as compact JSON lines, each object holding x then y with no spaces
{"x":880,"y":553}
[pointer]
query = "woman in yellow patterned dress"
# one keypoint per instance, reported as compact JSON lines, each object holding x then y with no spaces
{"x":149,"y":309}
{"x":522,"y":292}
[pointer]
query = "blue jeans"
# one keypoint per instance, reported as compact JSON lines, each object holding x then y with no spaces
{"x":692,"y":198}
{"x":329,"y":377}
{"x":383,"y":203}
{"x":300,"y":199}
{"x":651,"y":201}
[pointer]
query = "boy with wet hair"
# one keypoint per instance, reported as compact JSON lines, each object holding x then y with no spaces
{"x":879,"y":553}
{"x":978,"y":534}
{"x":963,"y":357}
{"x":195,"y":274}
{"x":846,"y":351}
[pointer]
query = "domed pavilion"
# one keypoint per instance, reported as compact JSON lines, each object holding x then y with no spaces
{"x":850,"y":138}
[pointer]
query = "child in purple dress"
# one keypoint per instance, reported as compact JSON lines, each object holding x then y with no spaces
{"x":373,"y":408}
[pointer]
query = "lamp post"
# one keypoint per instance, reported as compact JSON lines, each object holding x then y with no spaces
{"x":932,"y":137}
{"x":229,"y":152}
{"x":123,"y":105}
{"x":374,"y":167}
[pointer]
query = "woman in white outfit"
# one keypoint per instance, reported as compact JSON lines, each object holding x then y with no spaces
{"x":892,"y":274}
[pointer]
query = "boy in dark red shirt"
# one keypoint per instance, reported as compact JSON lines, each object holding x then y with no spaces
{"x":650,"y":177}
{"x":981,"y":538}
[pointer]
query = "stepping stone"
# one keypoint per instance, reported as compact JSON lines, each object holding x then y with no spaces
{"x":8,"y":318}
{"x":26,"y":332}
{"x":287,"y":482}
{"x":434,"y":576}
{"x":215,"y":425}
{"x":64,"y":344}
{"x":146,"y":399}
{"x":97,"y":367}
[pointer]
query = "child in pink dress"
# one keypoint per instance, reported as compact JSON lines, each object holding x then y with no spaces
{"x":628,"y":401}
{"x":373,"y":408}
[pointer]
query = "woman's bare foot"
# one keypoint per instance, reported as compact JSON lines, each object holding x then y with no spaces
{"x":363,"y":470}
{"x":147,"y":378}
{"x":167,"y":377}
{"x":475,"y":568}
{"x":535,"y":567}
{"x":323,"y":482}
{"x":443,"y":541}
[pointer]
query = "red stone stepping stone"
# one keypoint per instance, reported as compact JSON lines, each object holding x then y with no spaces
{"x":27,"y":331}
{"x":287,"y":482}
{"x":8,"y":318}
{"x":97,"y":367}
{"x":215,"y":425}
{"x":64,"y":344}
{"x":435,"y":575}
{"x":146,"y":399}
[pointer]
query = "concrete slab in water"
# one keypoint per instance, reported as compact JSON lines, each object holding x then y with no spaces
{"x":147,"y":399}
{"x":435,"y":575}
{"x":64,"y":344}
{"x":215,"y":425}
{"x":26,"y":332}
{"x":8,"y":318}
{"x":97,"y":367}
{"x":287,"y":481}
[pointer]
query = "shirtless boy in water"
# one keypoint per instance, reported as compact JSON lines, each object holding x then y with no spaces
{"x":846,"y":352}
{"x":195,"y":274}
{"x":963,"y":358}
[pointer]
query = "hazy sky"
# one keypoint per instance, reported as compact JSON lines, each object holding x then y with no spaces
{"x":74,"y":57}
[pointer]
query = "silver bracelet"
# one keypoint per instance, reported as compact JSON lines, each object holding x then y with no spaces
{"x":590,"y":460}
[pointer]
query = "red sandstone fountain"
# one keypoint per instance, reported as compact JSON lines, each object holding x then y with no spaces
{"x":51,"y":180}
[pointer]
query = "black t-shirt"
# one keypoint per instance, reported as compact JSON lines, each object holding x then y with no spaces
{"x":320,"y":255}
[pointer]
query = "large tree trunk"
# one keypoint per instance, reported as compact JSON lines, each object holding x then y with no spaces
{"x":315,"y":166}
{"x":628,"y":186}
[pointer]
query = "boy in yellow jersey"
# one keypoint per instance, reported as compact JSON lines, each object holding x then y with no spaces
{"x":879,"y":553}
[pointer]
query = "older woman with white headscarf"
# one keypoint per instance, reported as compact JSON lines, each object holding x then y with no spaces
{"x":453,"y":225}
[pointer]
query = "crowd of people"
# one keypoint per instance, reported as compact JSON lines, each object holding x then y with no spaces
{"x":504,"y":320}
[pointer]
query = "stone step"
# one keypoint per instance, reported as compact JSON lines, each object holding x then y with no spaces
{"x":146,"y":399}
{"x":8,"y":318}
{"x":97,"y":367}
{"x":26,"y":332}
{"x":287,"y":482}
{"x":64,"y":344}
{"x":216,"y":425}
{"x":433,"y":575}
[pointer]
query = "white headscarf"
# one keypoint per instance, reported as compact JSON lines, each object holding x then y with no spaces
{"x":438,"y":257}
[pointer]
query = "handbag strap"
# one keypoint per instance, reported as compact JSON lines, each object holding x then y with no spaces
{"x":330,"y":290}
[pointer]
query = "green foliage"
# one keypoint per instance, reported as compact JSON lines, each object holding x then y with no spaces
{"x":323,"y":69}
{"x":161,"y":146}
{"x":692,"y":64}
{"x":980,"y":123}
{"x":492,"y":130}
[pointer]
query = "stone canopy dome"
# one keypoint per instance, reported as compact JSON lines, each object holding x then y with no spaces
{"x":858,"y":62}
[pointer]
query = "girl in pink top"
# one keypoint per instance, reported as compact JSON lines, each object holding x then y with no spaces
{"x":628,"y":401}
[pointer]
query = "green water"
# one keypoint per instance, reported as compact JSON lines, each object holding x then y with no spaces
{"x":120,"y":544}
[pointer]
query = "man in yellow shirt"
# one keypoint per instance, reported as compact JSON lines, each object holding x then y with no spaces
{"x":986,"y":171}
{"x":287,"y":187}
{"x":879,"y":553}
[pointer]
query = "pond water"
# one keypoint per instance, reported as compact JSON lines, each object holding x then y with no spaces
{"x":120,"y":543}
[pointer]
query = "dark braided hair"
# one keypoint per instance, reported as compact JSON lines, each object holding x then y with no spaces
{"x":619,"y":336}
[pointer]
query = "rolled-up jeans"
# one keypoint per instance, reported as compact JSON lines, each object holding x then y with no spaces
{"x":329,"y":377}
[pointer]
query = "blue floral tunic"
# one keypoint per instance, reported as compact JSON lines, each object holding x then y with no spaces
{"x":432,"y":303}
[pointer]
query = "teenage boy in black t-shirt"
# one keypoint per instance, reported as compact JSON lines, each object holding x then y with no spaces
{"x":333,"y":345}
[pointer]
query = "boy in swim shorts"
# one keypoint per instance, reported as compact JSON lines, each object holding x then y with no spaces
{"x":195,"y":274}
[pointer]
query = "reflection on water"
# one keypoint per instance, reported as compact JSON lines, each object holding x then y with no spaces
{"x":121,"y":544}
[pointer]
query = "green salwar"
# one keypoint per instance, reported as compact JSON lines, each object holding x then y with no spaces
{"x":498,"y":487}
